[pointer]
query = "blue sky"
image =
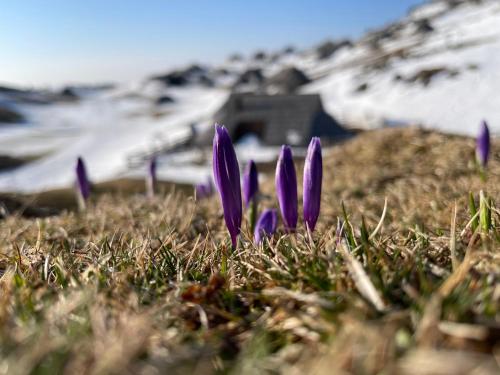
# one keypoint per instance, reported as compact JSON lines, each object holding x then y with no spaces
{"x":51,"y":42}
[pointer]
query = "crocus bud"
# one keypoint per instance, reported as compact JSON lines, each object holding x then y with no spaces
{"x":203,"y":190}
{"x":250,"y":183}
{"x":313,"y":175}
{"x":82,"y":183}
{"x":151,"y":178}
{"x":227,"y":180}
{"x":286,"y":188}
{"x":483,"y":144}
{"x":266,"y":225}
{"x":200,"y":191}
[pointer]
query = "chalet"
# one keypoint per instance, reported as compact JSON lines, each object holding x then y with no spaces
{"x":276,"y":119}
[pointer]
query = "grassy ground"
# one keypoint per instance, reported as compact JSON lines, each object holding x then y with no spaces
{"x":132,"y":286}
{"x":54,"y":201}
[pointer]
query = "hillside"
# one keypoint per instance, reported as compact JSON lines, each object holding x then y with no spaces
{"x":435,"y":67}
{"x":132,"y":286}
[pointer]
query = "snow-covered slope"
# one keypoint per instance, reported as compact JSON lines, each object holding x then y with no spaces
{"x":106,"y":130}
{"x":460,"y":57}
{"x":436,"y":67}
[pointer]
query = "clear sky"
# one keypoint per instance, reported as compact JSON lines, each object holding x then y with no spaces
{"x":51,"y":42}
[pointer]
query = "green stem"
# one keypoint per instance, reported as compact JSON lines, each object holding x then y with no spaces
{"x":482,"y":173}
{"x":252,"y":215}
{"x":481,"y":170}
{"x":484,"y":212}
{"x":223,"y":268}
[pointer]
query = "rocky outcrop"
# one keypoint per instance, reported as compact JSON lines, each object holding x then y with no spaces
{"x":287,"y":81}
{"x":423,"y":26}
{"x":164,"y":99}
{"x":259,"y":56}
{"x":250,"y":77}
{"x":9,"y":115}
{"x":425,"y":76}
{"x":328,"y":48}
{"x":193,"y":74}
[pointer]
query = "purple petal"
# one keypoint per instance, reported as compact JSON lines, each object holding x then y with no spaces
{"x":483,"y":144}
{"x":227,"y":180}
{"x":313,"y":175}
{"x":151,"y":177}
{"x":266,"y":225}
{"x":82,"y":181}
{"x":152,"y":167}
{"x":203,"y":190}
{"x":250,"y":182}
{"x":286,"y":188}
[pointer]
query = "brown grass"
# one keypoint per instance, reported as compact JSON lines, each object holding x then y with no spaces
{"x":132,"y":286}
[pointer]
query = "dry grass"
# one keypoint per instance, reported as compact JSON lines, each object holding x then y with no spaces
{"x":132,"y":286}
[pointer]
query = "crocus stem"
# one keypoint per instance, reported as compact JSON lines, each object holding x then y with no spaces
{"x":482,"y":174}
{"x":223,"y":267}
{"x":252,"y":214}
{"x":82,"y":205}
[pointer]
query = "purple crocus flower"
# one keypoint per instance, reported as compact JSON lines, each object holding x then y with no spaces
{"x":266,"y":225}
{"x":82,"y":181}
{"x":286,"y":188}
{"x":313,"y":175}
{"x":250,"y":183}
{"x":203,"y":190}
{"x":483,"y":144}
{"x":227,"y":180}
{"x":151,"y":178}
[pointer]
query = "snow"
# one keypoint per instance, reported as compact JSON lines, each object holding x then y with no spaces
{"x":104,"y":132}
{"x":196,"y":166}
{"x":450,"y":104}
{"x":112,"y":129}
{"x":429,"y":10}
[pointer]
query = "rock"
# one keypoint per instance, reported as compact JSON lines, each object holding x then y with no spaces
{"x":193,"y":74}
{"x":222,"y":72}
{"x":328,"y":48}
{"x":259,"y":55}
{"x":375,"y":37}
{"x":164,"y":99}
{"x":235,"y":57}
{"x":205,"y":80}
{"x":362,"y":88}
{"x":288,"y":80}
{"x":9,"y":162}
{"x":398,"y":77}
{"x":423,"y":26}
{"x":250,"y":77}
{"x":425,"y":76}
{"x":68,"y":93}
{"x":10,"y":116}
{"x":274,"y":57}
{"x":172,"y":79}
{"x":10,"y":90}
{"x":194,"y":70}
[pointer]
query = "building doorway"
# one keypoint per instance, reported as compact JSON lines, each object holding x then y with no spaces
{"x":249,"y":128}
